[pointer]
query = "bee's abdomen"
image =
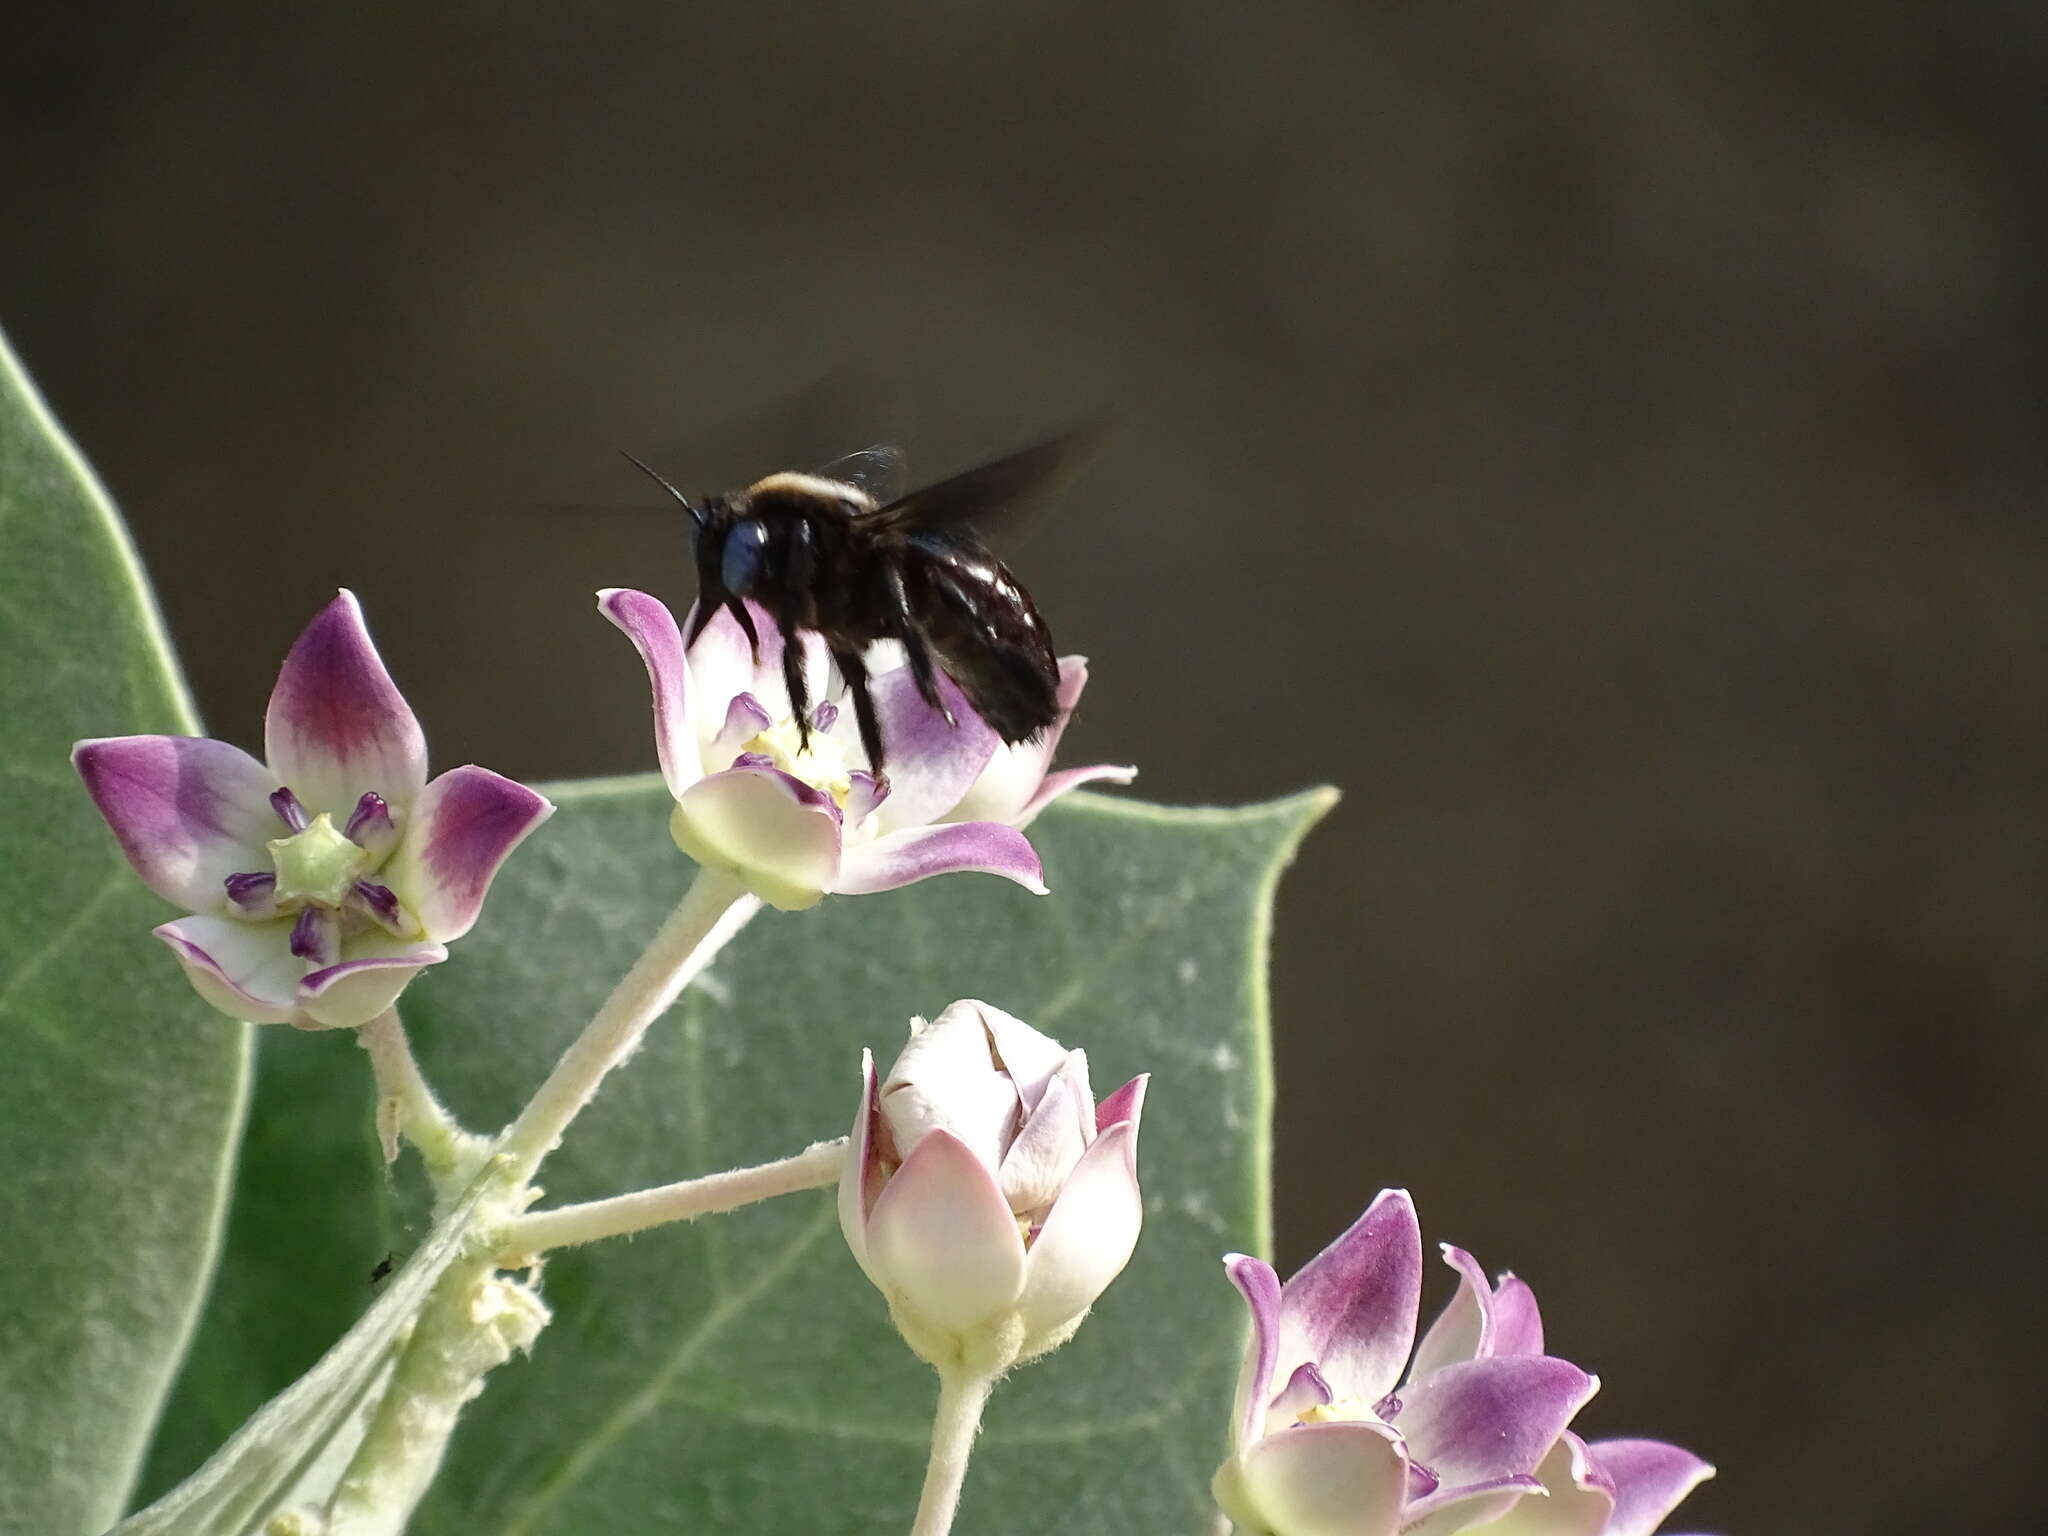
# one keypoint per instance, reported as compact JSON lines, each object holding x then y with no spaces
{"x":987,"y":636}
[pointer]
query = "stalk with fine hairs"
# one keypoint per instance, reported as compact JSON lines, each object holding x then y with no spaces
{"x":955,"y":1423}
{"x":526,"y":1237}
{"x":715,"y":908}
{"x":407,"y":1106}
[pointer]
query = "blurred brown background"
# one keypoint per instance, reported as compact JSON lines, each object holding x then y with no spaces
{"x":1603,"y":439}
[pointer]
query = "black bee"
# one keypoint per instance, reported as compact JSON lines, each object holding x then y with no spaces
{"x":839,"y":552}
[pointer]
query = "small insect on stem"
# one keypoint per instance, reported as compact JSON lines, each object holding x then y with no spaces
{"x":842,"y":553}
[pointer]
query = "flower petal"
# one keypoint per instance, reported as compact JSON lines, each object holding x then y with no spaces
{"x":1306,"y":1389}
{"x":1030,"y":1056}
{"x":1650,"y":1480}
{"x":1016,"y":769}
{"x":942,"y":1239}
{"x":945,"y":1078}
{"x":646,"y":622}
{"x":1127,"y":1103}
{"x":246,"y":970}
{"x":778,"y":835}
{"x":1088,"y":1235}
{"x":1446,"y":1511}
{"x":904,"y":858}
{"x":1484,"y":1419}
{"x":723,"y":666}
{"x":1066,"y":781}
{"x":1345,"y":1478}
{"x":863,"y":793}
{"x":744,"y":720}
{"x":337,"y":726}
{"x":932,"y":765}
{"x":368,"y":980}
{"x":188,"y":812}
{"x":860,"y":1177}
{"x":1580,"y":1496}
{"x":461,"y":829}
{"x":1517,"y":1323}
{"x":1260,"y":1287}
{"x":1052,"y":1139}
{"x":1460,"y":1330}
{"x":1015,"y":785}
{"x":1351,"y":1308}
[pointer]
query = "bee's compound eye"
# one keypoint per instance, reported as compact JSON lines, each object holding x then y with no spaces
{"x":741,"y":559}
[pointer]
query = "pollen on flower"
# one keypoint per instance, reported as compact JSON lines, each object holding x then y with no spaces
{"x":823,"y":765}
{"x":1346,"y":1410}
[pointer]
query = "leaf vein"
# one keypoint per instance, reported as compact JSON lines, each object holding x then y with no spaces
{"x":651,"y":1396}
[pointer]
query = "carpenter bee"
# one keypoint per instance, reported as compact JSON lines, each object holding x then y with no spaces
{"x":843,"y":552}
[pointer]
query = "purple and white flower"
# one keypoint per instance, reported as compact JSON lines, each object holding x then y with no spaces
{"x":1608,"y":1488}
{"x":1331,"y":1434}
{"x":985,"y":1192}
{"x":796,"y":823}
{"x":321,"y":882}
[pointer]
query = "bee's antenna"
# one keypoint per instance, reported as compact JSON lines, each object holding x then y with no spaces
{"x":696,"y":514}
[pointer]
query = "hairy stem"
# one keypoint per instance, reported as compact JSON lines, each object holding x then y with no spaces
{"x":813,"y":1168}
{"x":406,"y":1106}
{"x":714,"y":909}
{"x":955,"y":1423}
{"x":472,"y":1323}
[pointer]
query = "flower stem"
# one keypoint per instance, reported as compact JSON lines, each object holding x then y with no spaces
{"x":955,"y":1423}
{"x":531,"y":1235}
{"x":406,"y":1106}
{"x":714,"y":909}
{"x":472,"y":1323}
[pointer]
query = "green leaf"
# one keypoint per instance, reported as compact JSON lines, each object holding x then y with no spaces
{"x":123,"y":1093}
{"x":740,"y":1374}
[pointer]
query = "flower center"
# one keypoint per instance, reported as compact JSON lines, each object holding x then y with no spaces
{"x":318,"y":866}
{"x":823,"y":766}
{"x":1345,"y":1410}
{"x":317,"y":874}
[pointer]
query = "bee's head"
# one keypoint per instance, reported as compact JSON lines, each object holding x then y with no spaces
{"x":710,"y":525}
{"x":708,"y":521}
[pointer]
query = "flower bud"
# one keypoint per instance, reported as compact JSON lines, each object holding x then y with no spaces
{"x":985,"y":1193}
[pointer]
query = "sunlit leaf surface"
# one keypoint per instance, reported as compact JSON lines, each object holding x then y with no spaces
{"x":121,"y":1095}
{"x":740,"y":1374}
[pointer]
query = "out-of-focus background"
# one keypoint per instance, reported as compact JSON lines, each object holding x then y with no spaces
{"x":1604,"y":439}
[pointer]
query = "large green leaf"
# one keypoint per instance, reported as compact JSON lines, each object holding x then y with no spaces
{"x":122,"y":1094}
{"x":740,"y":1374}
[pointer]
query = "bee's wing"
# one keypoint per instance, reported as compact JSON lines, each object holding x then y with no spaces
{"x":994,"y":493}
{"x":880,"y":471}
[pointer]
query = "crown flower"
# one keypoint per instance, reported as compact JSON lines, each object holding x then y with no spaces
{"x":985,"y":1193}
{"x":796,"y":820}
{"x":324,"y":880}
{"x":1330,"y":1434}
{"x":1608,"y":1488}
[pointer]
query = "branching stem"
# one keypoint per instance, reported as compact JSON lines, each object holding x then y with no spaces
{"x":715,"y":908}
{"x":529,"y":1236}
{"x":406,"y":1106}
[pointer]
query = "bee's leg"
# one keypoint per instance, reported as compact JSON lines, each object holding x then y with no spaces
{"x":799,"y":567}
{"x":739,"y":611}
{"x":855,"y":671}
{"x":922,"y":672}
{"x":799,"y":687}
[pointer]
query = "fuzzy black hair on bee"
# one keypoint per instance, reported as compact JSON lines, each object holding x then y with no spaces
{"x":839,"y":553}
